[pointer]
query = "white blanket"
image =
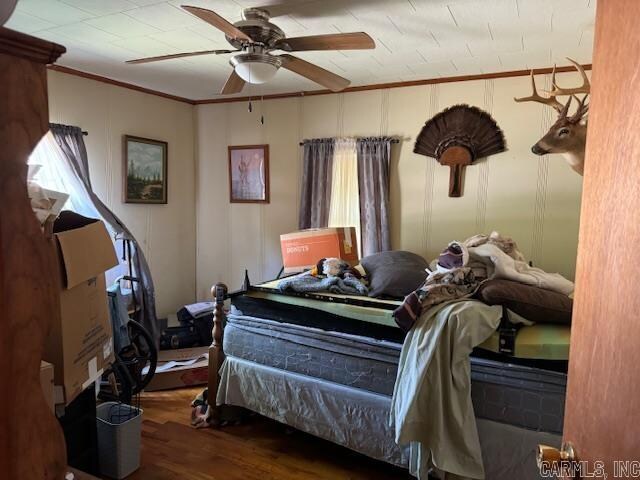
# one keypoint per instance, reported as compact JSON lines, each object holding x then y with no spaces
{"x":431,"y":408}
{"x":500,"y":265}
{"x":489,"y":261}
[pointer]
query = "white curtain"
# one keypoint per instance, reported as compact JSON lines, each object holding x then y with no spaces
{"x":55,"y":173}
{"x":344,"y":210}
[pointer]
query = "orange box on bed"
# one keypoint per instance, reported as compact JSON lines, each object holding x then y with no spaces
{"x":302,"y":250}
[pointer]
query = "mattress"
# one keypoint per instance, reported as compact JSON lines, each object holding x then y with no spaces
{"x":373,"y":317}
{"x":361,"y":362}
{"x":518,"y":395}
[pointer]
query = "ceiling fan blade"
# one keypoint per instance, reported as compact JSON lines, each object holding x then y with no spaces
{"x":234,"y":84}
{"x":179,"y":55}
{"x":217,"y":21}
{"x":332,"y":41}
{"x":313,"y":72}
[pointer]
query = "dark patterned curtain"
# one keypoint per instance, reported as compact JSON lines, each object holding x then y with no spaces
{"x":373,"y":181}
{"x":317,"y":169}
{"x":71,"y":141}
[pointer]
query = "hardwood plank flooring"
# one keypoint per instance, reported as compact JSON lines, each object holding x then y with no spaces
{"x":257,"y":449}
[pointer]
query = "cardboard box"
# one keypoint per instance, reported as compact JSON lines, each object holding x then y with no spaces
{"x":46,"y":381}
{"x":185,"y":367}
{"x":302,"y":250}
{"x":80,"y":345}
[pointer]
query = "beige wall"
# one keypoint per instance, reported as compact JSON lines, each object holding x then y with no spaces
{"x":232,"y":237}
{"x":536,"y":200}
{"x":166,"y":232}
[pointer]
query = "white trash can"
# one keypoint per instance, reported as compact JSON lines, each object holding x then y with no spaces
{"x":119,"y":429}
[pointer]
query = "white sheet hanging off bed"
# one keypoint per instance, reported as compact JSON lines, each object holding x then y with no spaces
{"x":344,"y":415}
{"x":356,"y":418}
{"x":431,"y":407}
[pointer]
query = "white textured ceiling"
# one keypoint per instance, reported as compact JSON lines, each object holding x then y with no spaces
{"x":416,"y":39}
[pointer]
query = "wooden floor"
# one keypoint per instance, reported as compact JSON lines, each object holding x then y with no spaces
{"x":259,"y":449}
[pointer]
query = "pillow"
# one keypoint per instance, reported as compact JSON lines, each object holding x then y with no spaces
{"x":533,"y":303}
{"x":394,"y":274}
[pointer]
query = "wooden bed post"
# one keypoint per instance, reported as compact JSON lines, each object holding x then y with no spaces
{"x":216,"y":352}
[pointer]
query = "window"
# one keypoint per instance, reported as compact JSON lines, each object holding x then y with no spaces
{"x":50,"y":169}
{"x":53,"y":171}
{"x":344,"y":209}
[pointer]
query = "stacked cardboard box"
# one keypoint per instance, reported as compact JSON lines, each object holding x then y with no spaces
{"x":46,"y":381}
{"x":80,"y":343}
{"x":184,"y":367}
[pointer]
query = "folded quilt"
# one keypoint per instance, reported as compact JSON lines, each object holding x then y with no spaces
{"x":463,"y":266}
{"x":306,"y":282}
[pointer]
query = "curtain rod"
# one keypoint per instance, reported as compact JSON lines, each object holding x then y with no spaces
{"x":393,"y":140}
{"x":84,"y":132}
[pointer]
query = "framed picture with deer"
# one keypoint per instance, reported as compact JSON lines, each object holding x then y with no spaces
{"x":249,"y":174}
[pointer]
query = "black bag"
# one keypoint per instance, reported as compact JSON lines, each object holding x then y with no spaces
{"x":203,"y":325}
{"x":184,"y":336}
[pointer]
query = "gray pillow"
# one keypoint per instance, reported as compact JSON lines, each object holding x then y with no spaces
{"x":394,"y":274}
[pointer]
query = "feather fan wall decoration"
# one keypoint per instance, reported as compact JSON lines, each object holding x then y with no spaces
{"x":456,"y":137}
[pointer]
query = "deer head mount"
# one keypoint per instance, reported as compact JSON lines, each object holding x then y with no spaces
{"x":568,"y":135}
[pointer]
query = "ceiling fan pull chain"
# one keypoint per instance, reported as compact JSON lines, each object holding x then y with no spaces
{"x":250,"y":109}
{"x":261,"y":114}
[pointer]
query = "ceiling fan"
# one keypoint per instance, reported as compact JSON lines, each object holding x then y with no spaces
{"x":255,"y":37}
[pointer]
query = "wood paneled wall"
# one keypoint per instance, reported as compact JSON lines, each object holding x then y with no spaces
{"x":166,"y":232}
{"x":534,"y":199}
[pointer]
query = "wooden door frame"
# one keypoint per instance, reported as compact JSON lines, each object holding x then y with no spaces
{"x":603,"y":393}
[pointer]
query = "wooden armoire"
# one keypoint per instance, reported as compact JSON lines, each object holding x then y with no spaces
{"x":31,"y":442}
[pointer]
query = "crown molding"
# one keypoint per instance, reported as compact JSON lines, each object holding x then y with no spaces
{"x":118,"y":83}
{"x":383,"y":86}
{"x":310,"y":93}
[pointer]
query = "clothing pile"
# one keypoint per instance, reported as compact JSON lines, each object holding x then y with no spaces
{"x":431,"y":409}
{"x":463,"y":266}
{"x":331,"y":275}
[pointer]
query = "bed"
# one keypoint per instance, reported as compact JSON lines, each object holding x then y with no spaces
{"x":326,"y":364}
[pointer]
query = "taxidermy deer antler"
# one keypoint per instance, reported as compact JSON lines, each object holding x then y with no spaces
{"x":568,"y":135}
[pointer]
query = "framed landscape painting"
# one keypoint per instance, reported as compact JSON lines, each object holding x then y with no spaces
{"x":249,"y":174}
{"x":145,"y":170}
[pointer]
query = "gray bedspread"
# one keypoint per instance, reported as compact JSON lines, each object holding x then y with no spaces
{"x":305,"y":282}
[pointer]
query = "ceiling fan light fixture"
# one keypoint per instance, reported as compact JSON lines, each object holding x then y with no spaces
{"x":256,"y":72}
{"x":255,"y":68}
